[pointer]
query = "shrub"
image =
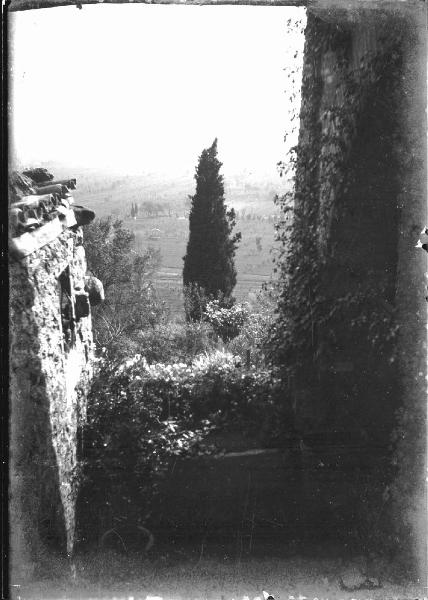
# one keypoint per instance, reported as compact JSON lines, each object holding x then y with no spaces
{"x":253,"y":336}
{"x":227,"y":321}
{"x":131,"y":303}
{"x":129,"y":439}
{"x":141,"y":415}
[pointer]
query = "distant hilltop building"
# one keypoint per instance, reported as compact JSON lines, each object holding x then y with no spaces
{"x":51,"y":351}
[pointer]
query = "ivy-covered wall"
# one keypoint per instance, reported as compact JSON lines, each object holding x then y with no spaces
{"x":50,"y":368}
{"x":351,"y":338}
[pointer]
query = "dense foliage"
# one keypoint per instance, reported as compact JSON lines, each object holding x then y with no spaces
{"x":226,"y":322}
{"x":330,"y":273}
{"x":141,"y":415}
{"x":209,"y":269}
{"x":178,"y":386}
{"x":253,"y":340}
{"x":131,"y":305}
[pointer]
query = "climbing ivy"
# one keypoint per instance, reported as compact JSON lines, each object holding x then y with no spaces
{"x":337,"y":263}
{"x":326,"y":165}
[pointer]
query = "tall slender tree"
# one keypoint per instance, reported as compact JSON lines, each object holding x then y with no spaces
{"x":209,"y":265}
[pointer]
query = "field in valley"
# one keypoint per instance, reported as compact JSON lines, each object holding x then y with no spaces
{"x":170,"y":234}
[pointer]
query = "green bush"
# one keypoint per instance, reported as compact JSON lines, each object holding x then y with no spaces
{"x":129,"y":439}
{"x":214,"y":387}
{"x":131,"y":303}
{"x":227,"y":321}
{"x":142,"y":415}
{"x":253,"y":338}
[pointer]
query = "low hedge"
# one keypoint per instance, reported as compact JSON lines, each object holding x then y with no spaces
{"x":141,"y":415}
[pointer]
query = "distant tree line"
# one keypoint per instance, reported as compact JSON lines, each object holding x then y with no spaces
{"x":252,"y":216}
{"x":149,"y":208}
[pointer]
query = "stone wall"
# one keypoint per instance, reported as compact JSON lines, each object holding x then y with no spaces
{"x":49,"y":376}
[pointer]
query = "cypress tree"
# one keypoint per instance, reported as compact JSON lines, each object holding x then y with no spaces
{"x":209,"y":266}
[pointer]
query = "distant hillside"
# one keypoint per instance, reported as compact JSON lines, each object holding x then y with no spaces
{"x":112,"y":193}
{"x":162,"y":220}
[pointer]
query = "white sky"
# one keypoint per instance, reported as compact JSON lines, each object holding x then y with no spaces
{"x":147,"y":87}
